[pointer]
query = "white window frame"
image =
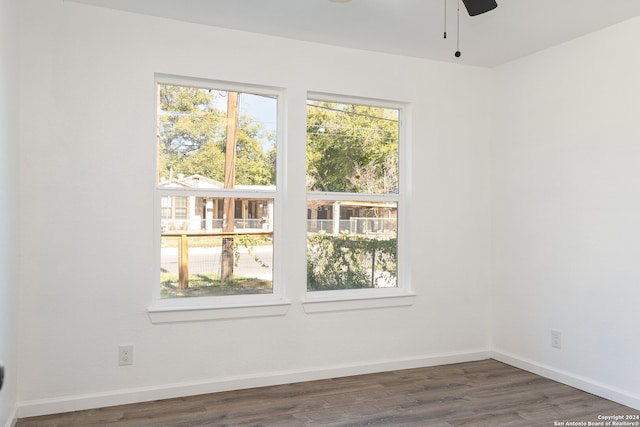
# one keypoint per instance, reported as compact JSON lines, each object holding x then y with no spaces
{"x":231,"y":306}
{"x":402,"y":294}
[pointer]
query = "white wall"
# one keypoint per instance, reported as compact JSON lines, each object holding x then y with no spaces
{"x":86,"y":218}
{"x":8,"y":203}
{"x":566,"y":209}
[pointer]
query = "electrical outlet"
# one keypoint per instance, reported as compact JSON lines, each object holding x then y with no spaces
{"x":125,"y":355}
{"x":556,"y":339}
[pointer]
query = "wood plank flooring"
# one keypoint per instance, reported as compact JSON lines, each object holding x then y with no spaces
{"x":478,"y":394}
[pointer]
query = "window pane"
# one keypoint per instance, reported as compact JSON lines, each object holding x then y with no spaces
{"x":206,"y":256}
{"x":194,"y":139}
{"x":351,"y":244}
{"x":181,"y":207}
{"x":165,"y":203}
{"x":352,"y":148}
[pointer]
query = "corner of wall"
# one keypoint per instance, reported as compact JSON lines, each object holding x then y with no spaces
{"x":623,"y":397}
{"x":8,"y":202}
{"x":12,"y":419}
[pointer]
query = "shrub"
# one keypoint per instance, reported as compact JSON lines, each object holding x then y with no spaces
{"x":350,"y":262}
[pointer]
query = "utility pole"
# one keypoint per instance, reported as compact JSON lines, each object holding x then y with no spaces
{"x":226,"y":264}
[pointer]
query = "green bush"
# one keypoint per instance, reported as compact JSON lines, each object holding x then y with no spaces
{"x":350,"y":262}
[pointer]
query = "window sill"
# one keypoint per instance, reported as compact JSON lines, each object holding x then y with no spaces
{"x":324,"y":304}
{"x":174,"y":314}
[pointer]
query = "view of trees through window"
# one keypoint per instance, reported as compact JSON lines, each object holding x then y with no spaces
{"x":212,"y":142}
{"x":216,"y":188}
{"x":353,"y":193}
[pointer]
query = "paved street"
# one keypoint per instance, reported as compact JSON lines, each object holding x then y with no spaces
{"x":207,"y":261}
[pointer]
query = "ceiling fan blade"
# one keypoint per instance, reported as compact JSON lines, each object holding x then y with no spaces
{"x":476,"y":7}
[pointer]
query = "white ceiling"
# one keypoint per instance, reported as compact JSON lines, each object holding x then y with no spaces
{"x":405,"y":27}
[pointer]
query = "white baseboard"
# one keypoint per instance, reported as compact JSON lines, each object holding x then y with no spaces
{"x":13,"y":418}
{"x":168,"y":391}
{"x":586,"y":384}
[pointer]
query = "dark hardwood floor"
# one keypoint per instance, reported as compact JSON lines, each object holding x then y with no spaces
{"x":478,"y":394}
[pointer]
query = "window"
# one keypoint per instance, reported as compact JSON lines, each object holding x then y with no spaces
{"x":216,"y":192}
{"x":181,"y":207}
{"x":218,"y":201}
{"x":173,"y":211}
{"x":353,"y":196}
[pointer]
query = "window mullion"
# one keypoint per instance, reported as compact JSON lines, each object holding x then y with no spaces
{"x":316,"y":195}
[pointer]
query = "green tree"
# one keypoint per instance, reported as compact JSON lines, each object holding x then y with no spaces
{"x":192,"y":138}
{"x":351,"y":148}
{"x":253,"y":165}
{"x":188,"y":122}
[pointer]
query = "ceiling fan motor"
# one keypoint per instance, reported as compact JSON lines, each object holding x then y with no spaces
{"x":477,"y":7}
